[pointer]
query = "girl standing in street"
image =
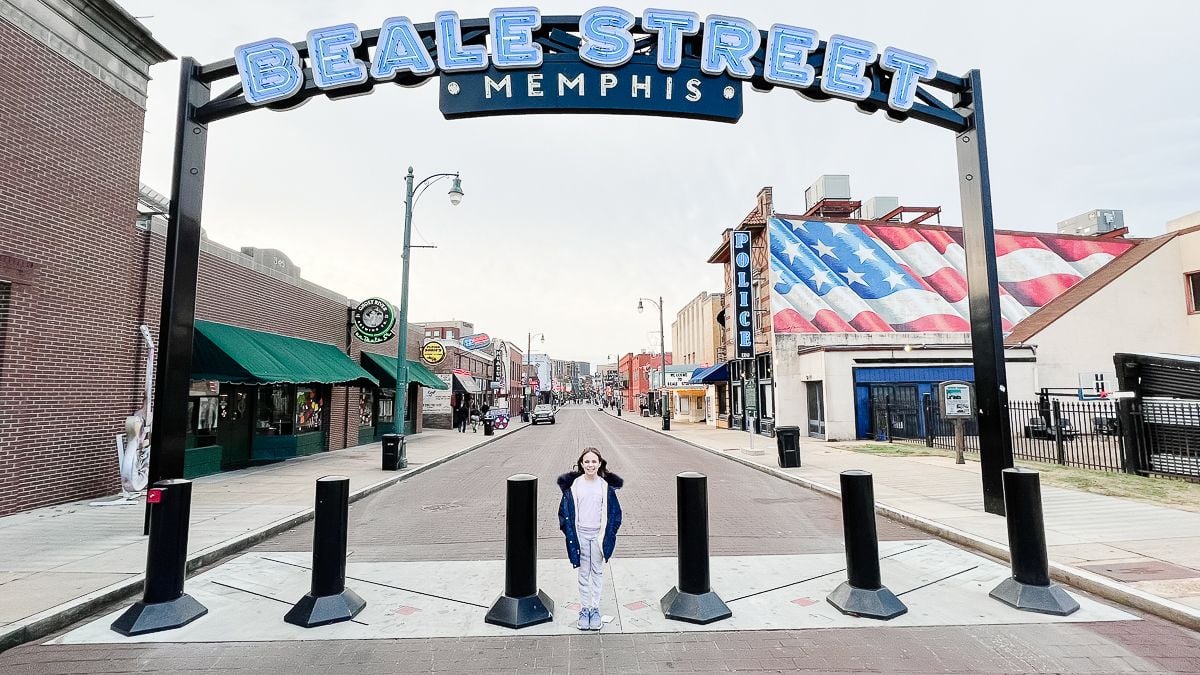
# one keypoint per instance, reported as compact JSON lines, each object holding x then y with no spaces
{"x":590,"y":515}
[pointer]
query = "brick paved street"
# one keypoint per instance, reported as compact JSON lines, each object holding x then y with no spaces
{"x":455,"y":512}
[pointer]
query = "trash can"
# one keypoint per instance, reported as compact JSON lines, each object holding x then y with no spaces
{"x":787,"y":442}
{"x":489,"y":426}
{"x":395,"y":456}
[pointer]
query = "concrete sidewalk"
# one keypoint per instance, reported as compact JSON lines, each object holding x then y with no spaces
{"x":1140,"y":554}
{"x":59,"y":563}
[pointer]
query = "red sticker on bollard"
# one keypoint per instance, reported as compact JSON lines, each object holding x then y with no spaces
{"x":153,"y":495}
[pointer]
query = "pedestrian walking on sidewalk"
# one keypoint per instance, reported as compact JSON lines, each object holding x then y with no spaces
{"x":590,"y":515}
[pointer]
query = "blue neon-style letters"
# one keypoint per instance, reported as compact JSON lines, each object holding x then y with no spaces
{"x":671,"y":26}
{"x":846,"y":61}
{"x":331,"y":52}
{"x":729,"y":43}
{"x":787,"y":56}
{"x":908,"y":69}
{"x":512,"y":37}
{"x":607,"y":41}
{"x":269,"y":70}
{"x":453,"y":56}
{"x":400,"y":48}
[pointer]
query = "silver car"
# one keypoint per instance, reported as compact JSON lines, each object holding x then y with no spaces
{"x":542,"y":412}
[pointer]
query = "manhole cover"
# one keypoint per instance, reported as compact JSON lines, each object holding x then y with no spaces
{"x":439,"y":507}
{"x":1143,"y":571}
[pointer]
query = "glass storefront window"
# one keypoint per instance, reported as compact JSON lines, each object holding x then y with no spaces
{"x":274,"y":411}
{"x":366,"y":408}
{"x":387,"y":402}
{"x":310,"y":406}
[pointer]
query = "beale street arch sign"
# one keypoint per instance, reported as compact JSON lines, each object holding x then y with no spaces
{"x":607,"y":60}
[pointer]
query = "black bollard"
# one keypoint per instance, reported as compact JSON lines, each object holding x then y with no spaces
{"x":164,"y":605}
{"x":1029,"y":588}
{"x":523,"y":603}
{"x":863,"y":594}
{"x":329,"y":601}
{"x":693,"y":600}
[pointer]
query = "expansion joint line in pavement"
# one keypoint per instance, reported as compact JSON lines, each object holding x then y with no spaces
{"x":268,"y":597}
{"x":935,"y":581}
{"x":380,"y":583}
{"x":843,"y":569}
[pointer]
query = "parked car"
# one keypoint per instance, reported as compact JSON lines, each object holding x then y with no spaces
{"x":543,"y":412}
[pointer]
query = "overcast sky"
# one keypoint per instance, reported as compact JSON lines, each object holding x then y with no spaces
{"x":569,"y":219}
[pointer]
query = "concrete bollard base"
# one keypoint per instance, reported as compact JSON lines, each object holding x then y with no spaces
{"x":152,"y":617}
{"x":529,"y":610}
{"x":878,"y":603}
{"x":1050,"y":599}
{"x":312,"y":611}
{"x":699,"y":608}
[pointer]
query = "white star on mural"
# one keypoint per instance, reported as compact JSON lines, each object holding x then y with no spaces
{"x":820,"y":278}
{"x":792,"y":250}
{"x":824,"y":249}
{"x":776,"y":275}
{"x":853,"y":277}
{"x":864,"y":254}
{"x":894,"y":279}
{"x":838,"y":228}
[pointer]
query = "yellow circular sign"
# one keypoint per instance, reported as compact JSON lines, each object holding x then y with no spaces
{"x":433,"y":353}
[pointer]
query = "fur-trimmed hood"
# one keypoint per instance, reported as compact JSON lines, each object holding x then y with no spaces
{"x":567,"y":479}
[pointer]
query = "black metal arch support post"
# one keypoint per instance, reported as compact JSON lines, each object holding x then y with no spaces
{"x":983,"y":292}
{"x":180,"y":266}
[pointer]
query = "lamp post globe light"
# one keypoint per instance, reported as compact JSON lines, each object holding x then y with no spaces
{"x":456,"y":195}
{"x":662,"y":352}
{"x":528,"y":383}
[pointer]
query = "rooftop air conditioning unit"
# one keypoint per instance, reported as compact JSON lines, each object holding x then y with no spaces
{"x":827,"y":187}
{"x":878,"y":207}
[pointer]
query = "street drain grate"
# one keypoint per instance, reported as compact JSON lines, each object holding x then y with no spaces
{"x":439,"y":507}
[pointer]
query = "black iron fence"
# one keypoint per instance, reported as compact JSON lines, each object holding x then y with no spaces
{"x":1157,"y":437}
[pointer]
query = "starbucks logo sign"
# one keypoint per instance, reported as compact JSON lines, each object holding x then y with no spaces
{"x":374,"y":321}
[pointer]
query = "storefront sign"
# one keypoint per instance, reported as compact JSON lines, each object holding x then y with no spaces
{"x":476,"y":341}
{"x":438,"y":400}
{"x":433,"y":352}
{"x":373,"y":321}
{"x":955,"y":399}
{"x":594,"y":71}
{"x":743,"y":295}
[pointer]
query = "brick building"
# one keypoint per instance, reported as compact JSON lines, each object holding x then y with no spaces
{"x":634,"y":370}
{"x":72,"y":114}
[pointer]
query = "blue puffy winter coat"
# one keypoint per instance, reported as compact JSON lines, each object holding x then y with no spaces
{"x":566,"y":515}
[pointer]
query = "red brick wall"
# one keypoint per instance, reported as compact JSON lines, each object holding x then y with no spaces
{"x":68,"y":251}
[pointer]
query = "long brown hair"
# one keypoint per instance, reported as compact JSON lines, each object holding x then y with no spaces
{"x":602,"y":471}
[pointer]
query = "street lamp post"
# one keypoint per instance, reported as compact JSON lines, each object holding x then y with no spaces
{"x":529,"y":378}
{"x":662,"y":351}
{"x":456,"y":195}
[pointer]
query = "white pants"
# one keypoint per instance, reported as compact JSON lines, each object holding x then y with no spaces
{"x":591,"y":568}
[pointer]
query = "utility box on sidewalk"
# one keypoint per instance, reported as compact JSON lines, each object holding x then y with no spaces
{"x":395,"y":455}
{"x":787,"y":442}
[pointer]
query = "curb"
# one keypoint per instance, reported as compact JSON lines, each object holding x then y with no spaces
{"x":47,"y":621}
{"x":1084,"y":580}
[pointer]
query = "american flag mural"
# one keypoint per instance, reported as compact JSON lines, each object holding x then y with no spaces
{"x":844,"y":278}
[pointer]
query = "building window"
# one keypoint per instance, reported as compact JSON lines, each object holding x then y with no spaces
{"x":310,"y":405}
{"x":450,"y":334}
{"x":366,"y":408}
{"x":5,"y":301}
{"x":274,"y":410}
{"x":1193,"y":290}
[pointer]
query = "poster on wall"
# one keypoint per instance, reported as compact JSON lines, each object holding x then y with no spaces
{"x":438,"y":400}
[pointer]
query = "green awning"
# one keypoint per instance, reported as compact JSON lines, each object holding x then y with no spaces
{"x":384,"y":367}
{"x":240,"y":355}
